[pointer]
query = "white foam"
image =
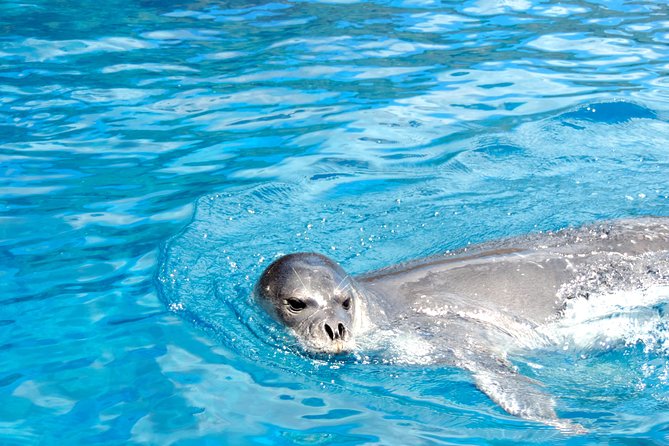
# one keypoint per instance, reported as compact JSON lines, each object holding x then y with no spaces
{"x":405,"y":348}
{"x":613,"y":319}
{"x":412,"y":349}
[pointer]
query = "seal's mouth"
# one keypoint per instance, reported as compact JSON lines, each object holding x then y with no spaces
{"x":336,"y":347}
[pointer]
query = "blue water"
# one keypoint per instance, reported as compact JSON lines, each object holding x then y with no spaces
{"x":156,"y":156}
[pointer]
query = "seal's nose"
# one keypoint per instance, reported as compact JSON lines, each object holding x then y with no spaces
{"x":333,"y":334}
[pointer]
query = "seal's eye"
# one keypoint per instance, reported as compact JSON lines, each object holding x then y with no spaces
{"x":296,"y":304}
{"x":346,"y":304}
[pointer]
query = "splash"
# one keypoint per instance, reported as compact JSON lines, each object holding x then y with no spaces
{"x":614,"y":320}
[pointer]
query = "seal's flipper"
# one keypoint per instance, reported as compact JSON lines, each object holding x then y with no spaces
{"x":516,"y":394}
{"x":519,"y":395}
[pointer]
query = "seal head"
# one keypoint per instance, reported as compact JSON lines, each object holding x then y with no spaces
{"x":313,"y":296}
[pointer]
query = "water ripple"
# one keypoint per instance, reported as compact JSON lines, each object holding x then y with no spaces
{"x":38,"y":50}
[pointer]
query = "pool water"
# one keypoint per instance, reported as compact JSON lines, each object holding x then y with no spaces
{"x":156,"y":156}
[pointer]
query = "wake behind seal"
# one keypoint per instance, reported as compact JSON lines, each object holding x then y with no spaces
{"x":471,"y":306}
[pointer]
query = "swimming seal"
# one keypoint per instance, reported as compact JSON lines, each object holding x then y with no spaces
{"x":312,"y":295}
{"x":469,"y":306}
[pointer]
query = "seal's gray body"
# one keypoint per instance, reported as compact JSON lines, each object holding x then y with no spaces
{"x":531,"y":276}
{"x":472,"y":306}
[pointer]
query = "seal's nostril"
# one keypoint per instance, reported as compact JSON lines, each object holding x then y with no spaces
{"x":329,"y":331}
{"x":334,"y":335}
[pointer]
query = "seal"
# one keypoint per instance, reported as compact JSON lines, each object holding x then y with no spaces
{"x":314,"y":297}
{"x":472,"y":306}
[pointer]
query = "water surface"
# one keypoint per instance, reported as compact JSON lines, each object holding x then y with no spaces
{"x":157,"y":155}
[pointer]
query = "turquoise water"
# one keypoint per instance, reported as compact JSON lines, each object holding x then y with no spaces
{"x":157,"y":155}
